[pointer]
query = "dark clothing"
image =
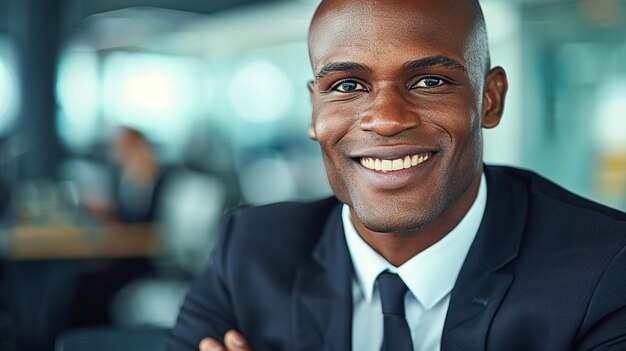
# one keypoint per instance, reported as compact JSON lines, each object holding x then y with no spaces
{"x":546,"y":271}
{"x":139,"y":203}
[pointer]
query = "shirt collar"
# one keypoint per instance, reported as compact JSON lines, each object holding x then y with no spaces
{"x":429,"y":275}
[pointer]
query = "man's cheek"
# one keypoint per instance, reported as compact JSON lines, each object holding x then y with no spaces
{"x":330,"y":129}
{"x":324,"y":132}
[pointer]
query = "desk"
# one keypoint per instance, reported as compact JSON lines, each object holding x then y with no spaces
{"x":74,"y":242}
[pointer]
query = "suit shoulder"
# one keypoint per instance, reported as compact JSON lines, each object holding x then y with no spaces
{"x":285,"y":214}
{"x":274,"y":239}
{"x":287,"y":225}
{"x":547,"y":192}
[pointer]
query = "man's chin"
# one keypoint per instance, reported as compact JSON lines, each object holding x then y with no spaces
{"x":392,"y":221}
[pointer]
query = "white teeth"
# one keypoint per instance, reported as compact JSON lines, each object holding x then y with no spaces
{"x":385,"y":165}
{"x":397,"y":164}
{"x":407,"y":162}
{"x":394,"y":165}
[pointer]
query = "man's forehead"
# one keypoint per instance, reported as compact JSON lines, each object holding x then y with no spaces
{"x":363,"y":11}
{"x":432,"y":24}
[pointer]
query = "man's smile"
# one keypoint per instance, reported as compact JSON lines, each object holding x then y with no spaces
{"x":394,"y":169}
{"x":385,"y":166}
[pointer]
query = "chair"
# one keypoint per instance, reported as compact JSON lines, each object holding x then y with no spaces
{"x":111,"y":339}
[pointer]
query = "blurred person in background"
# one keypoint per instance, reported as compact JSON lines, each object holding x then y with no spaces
{"x":136,"y":191}
{"x":424,"y":247}
{"x":140,"y":178}
{"x":181,"y":202}
{"x":137,"y":179}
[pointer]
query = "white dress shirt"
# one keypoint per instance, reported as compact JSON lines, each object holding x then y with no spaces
{"x":429,"y":275}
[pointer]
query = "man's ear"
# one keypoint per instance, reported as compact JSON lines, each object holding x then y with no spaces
{"x":496,"y":86}
{"x":312,"y":133}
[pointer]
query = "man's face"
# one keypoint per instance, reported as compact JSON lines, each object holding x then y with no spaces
{"x":398,"y":108}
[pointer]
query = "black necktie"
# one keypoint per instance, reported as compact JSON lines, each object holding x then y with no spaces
{"x":397,"y":336}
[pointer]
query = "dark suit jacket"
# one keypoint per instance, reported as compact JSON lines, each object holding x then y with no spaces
{"x":547,"y":271}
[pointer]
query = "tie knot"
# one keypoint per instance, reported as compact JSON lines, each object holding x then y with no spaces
{"x":392,"y":291}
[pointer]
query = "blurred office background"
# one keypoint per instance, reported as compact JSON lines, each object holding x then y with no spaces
{"x":147,"y":119}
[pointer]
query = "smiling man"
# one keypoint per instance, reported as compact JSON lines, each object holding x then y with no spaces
{"x":423,"y":247}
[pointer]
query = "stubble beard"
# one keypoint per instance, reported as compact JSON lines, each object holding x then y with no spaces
{"x":396,"y":216}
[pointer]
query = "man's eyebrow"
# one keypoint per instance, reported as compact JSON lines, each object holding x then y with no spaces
{"x":339,"y":67}
{"x":434,"y":61}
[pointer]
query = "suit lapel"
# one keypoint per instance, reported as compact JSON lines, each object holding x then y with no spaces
{"x":486,"y":276}
{"x":322,"y":299}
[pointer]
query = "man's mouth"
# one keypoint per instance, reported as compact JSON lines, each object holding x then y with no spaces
{"x":385,"y":166}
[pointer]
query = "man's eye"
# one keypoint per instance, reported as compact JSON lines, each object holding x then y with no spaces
{"x":348,"y":86}
{"x":429,"y":82}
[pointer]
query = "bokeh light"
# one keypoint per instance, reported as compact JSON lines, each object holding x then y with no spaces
{"x":260,"y":92}
{"x":77,"y":92}
{"x":9,"y":92}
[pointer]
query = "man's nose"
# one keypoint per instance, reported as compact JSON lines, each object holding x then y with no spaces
{"x":389,"y":113}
